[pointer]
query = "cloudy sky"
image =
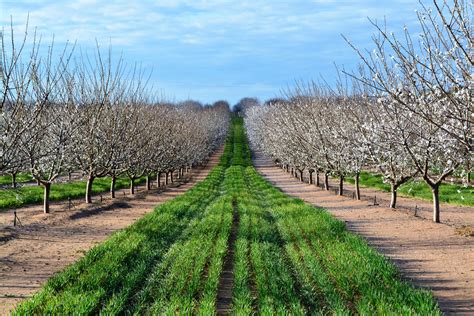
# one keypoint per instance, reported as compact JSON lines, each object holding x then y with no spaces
{"x":209,"y":50}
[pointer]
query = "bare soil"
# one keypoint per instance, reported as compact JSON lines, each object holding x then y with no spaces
{"x":433,"y":256}
{"x":46,"y":243}
{"x":226,"y":281}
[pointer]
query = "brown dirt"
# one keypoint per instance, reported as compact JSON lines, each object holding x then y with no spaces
{"x":226,"y":281}
{"x":431,"y":255}
{"x":46,"y":243}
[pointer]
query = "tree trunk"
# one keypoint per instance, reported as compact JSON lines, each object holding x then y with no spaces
{"x":14,"y":180}
{"x":166,"y":178}
{"x":69,"y":176}
{"x":326,"y":181}
{"x":341,"y":185}
{"x":292,"y":173}
{"x":311,"y":177}
{"x":90,"y":180}
{"x":171,"y":176}
{"x":148,"y":183}
{"x":393,"y":190}
{"x":112,"y":186}
{"x":158,"y":179}
{"x":47,"y":190}
{"x":357,"y":186}
{"x":468,"y":169}
{"x":301,"y":175}
{"x":435,"y":190}
{"x":317,"y":178}
{"x":132,"y":186}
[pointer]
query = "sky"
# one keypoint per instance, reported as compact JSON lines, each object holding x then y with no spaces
{"x":214,"y":50}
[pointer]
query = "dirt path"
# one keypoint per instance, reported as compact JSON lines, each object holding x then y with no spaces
{"x":226,"y":282}
{"x":431,"y":255}
{"x":46,"y":243}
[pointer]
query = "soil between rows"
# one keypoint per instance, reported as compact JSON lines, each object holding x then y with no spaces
{"x":226,"y":282}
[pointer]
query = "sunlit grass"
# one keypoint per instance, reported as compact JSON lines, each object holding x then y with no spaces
{"x":21,"y":177}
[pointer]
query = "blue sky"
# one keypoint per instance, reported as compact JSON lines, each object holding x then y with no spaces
{"x":210,"y":50}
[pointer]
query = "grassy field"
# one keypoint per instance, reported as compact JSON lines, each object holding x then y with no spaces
{"x":448,"y":193}
{"x":289,"y":258}
{"x":21,"y":177}
{"x":10,"y":198}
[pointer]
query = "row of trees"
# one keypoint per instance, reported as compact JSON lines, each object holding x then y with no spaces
{"x":407,"y":111}
{"x":66,"y":111}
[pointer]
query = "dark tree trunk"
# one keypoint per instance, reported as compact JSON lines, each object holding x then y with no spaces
{"x":14,"y":180}
{"x":292,"y":173}
{"x":47,"y":191}
{"x":326,"y":181}
{"x":341,"y":185}
{"x":171,"y":176}
{"x":311,"y":176}
{"x":317,"y":178}
{"x":435,"y":190}
{"x":90,"y":181}
{"x":166,"y":178}
{"x":112,"y":186}
{"x":148,"y":183}
{"x":158,"y":179}
{"x":132,"y":186}
{"x":301,"y":175}
{"x":357,"y":186}
{"x":69,"y":176}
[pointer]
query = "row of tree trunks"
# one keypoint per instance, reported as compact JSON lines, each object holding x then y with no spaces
{"x":298,"y":173}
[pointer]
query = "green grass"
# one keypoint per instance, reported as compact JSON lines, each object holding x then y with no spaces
{"x":10,"y":198}
{"x":290,"y":258}
{"x":21,"y":177}
{"x":448,"y":193}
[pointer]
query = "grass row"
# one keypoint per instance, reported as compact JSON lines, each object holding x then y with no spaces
{"x":289,"y":258}
{"x":448,"y":193}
